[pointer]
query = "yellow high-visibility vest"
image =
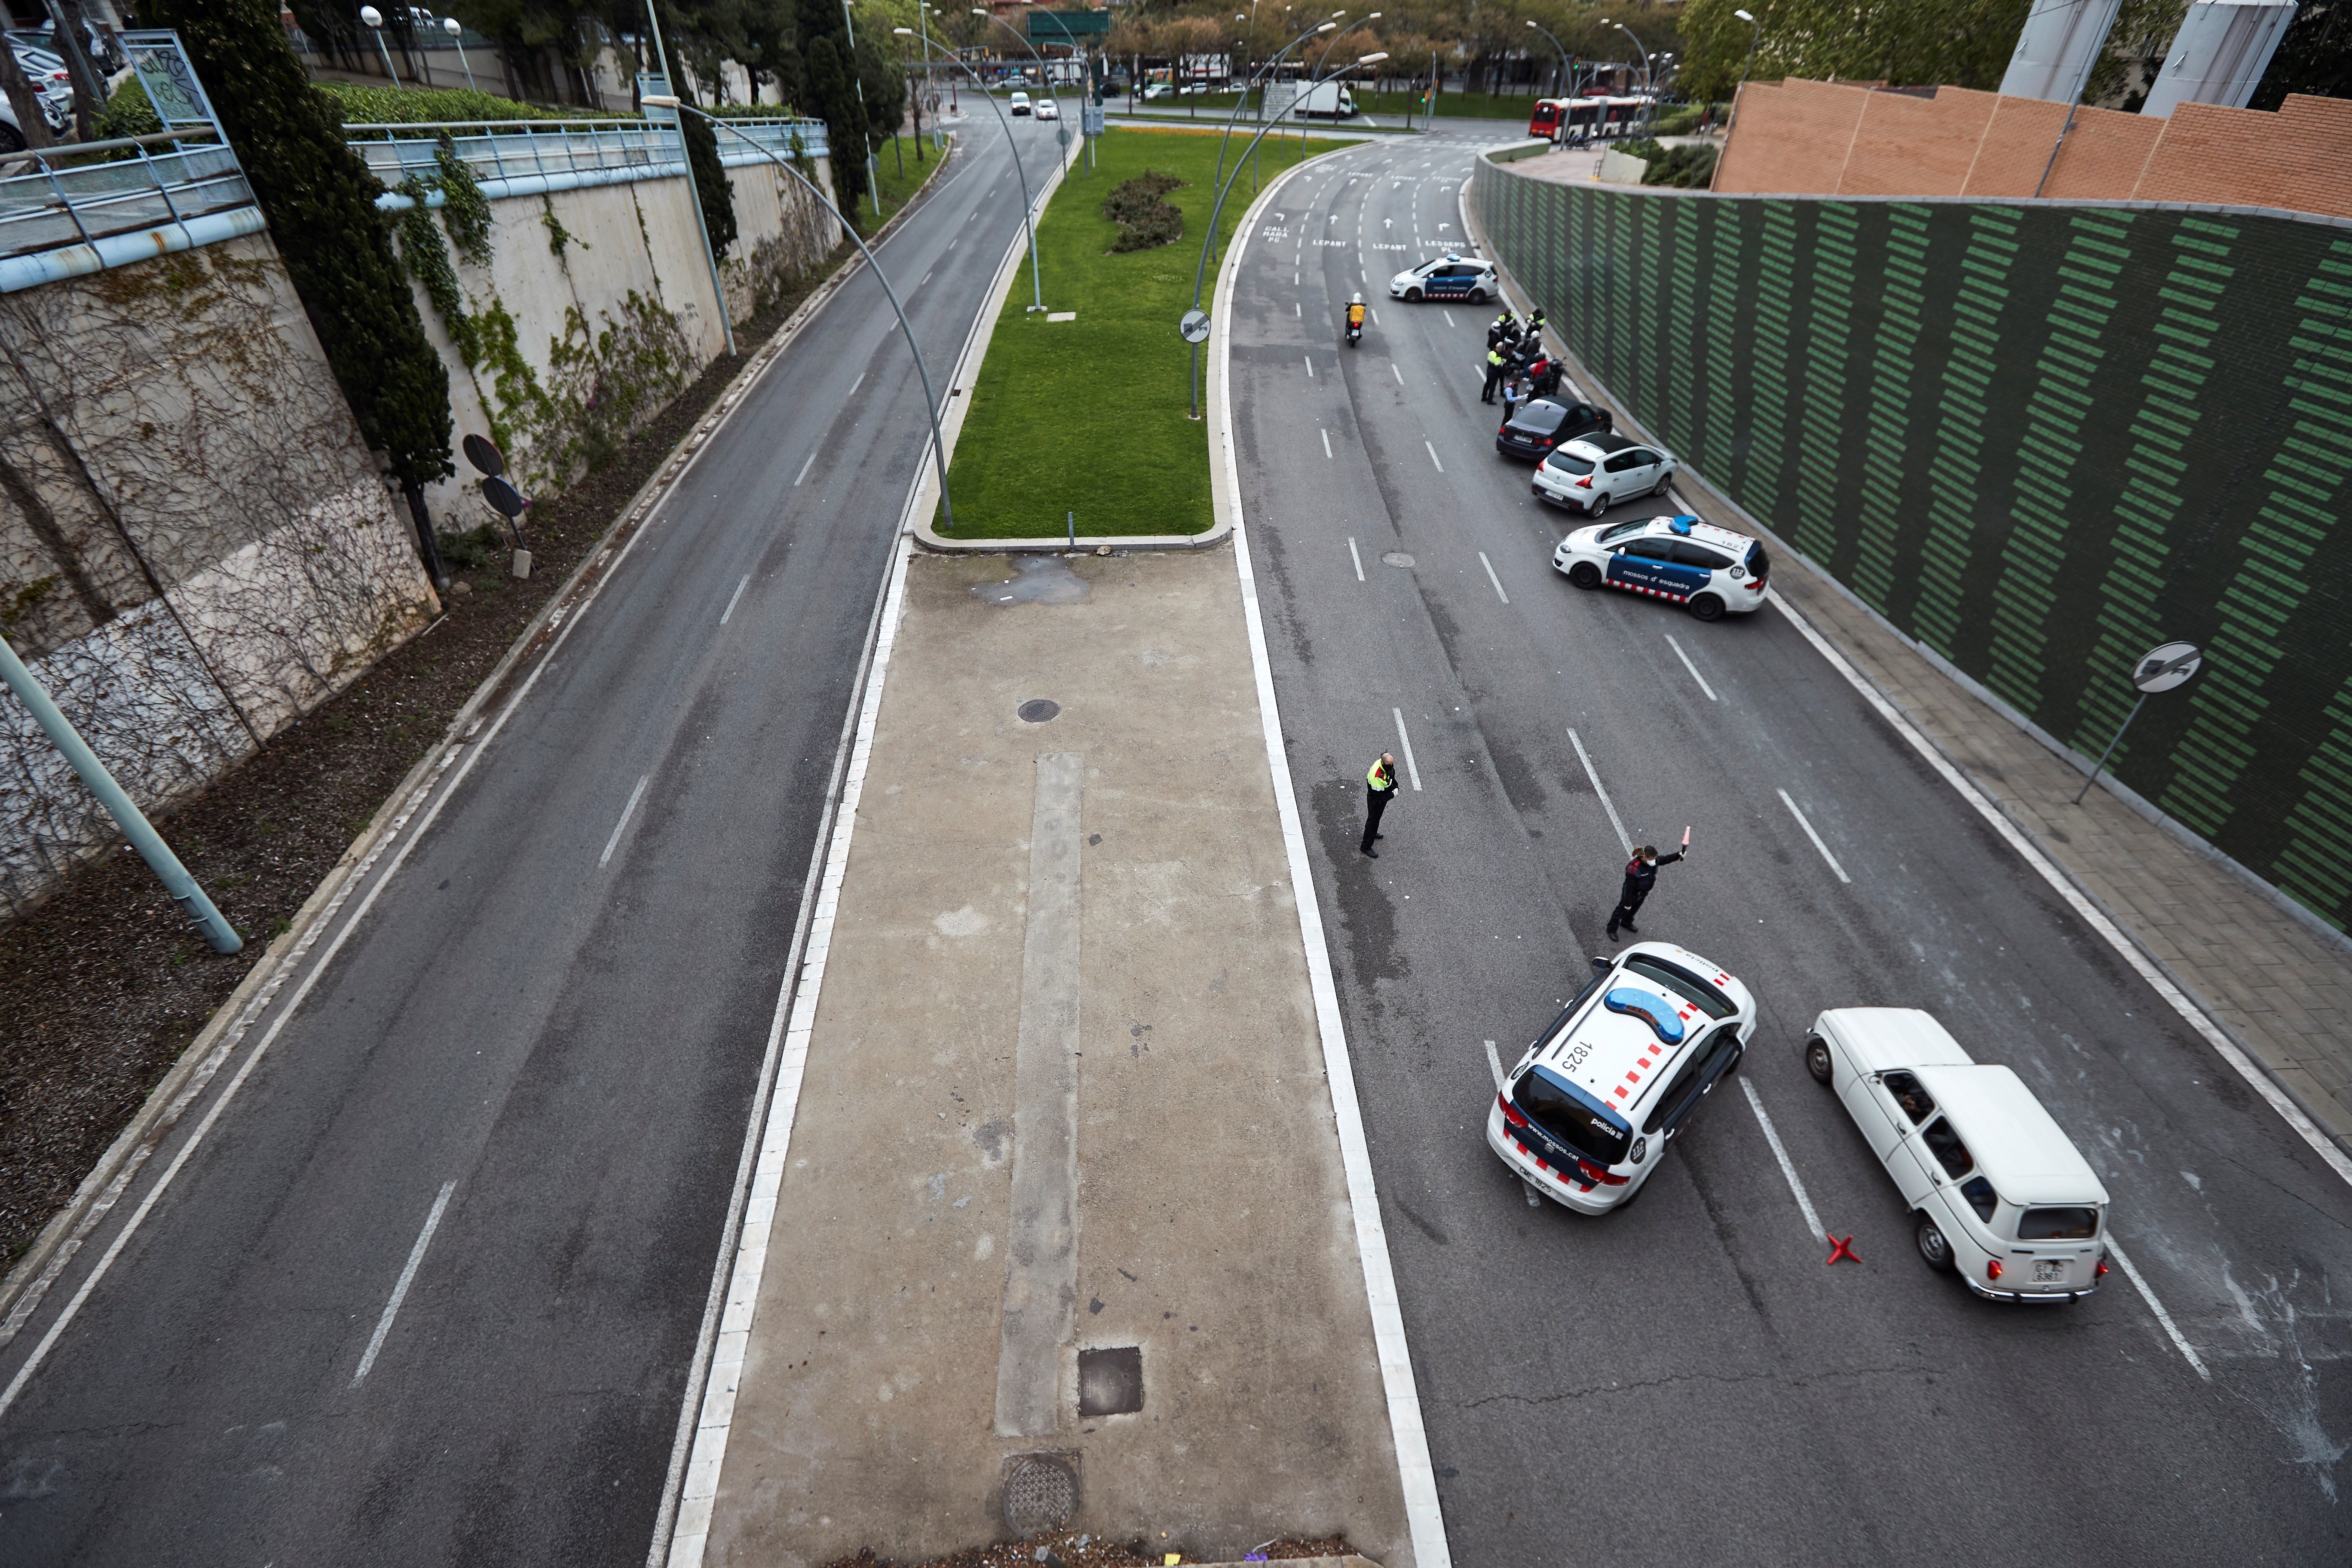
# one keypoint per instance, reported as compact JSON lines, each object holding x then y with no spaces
{"x":1372,"y":777}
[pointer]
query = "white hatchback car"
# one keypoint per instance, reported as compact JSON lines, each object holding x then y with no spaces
{"x":1711,"y":570}
{"x":1998,"y":1191}
{"x":1048,"y":109}
{"x":1586,"y":1115}
{"x":1591,"y":472}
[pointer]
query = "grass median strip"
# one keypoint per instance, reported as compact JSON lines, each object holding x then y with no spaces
{"x":1091,"y":413}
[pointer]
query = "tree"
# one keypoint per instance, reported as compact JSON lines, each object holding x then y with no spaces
{"x":2315,"y":56}
{"x":1904,"y":43}
{"x":835,"y":101}
{"x":319,"y":200}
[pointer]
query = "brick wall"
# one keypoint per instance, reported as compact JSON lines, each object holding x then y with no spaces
{"x":1812,"y":138}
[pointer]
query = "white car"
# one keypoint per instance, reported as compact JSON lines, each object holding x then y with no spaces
{"x":1156,"y":89}
{"x":1048,"y":109}
{"x":1586,"y":1115}
{"x":1710,"y":571}
{"x":1450,"y":277}
{"x":1590,"y":473}
{"x":1998,"y":1192}
{"x":1019,"y":104}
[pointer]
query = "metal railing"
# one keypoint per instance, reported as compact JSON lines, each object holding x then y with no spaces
{"x":502,"y":150}
{"x":87,"y":191}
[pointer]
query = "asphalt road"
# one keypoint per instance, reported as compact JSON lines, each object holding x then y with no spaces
{"x":546,"y":1033}
{"x":1684,"y":1380}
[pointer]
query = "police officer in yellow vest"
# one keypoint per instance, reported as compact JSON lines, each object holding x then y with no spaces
{"x":1379,"y":787}
{"x":1495,"y":364}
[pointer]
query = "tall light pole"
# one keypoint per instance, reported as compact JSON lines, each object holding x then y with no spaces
{"x":1028,"y":203}
{"x":865,"y":140}
{"x":1733,"y":119}
{"x":1649,"y":77}
{"x":693,"y":191}
{"x":1329,"y":45}
{"x":374,"y":19}
{"x":1567,"y":61}
{"x":1044,"y":77}
{"x":456,"y":30}
{"x":906,"y":328}
{"x":1267,"y":72}
{"x":1200,"y":271}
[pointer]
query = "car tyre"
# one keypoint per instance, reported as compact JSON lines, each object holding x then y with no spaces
{"x":1478,"y":296}
{"x":1597,"y":505}
{"x":1934,"y":1250}
{"x":1707,"y":607}
{"x":1662,"y":483}
{"x":11,"y":139}
{"x":1585,"y":574}
{"x":1412,"y":296}
{"x":1817,"y":1059}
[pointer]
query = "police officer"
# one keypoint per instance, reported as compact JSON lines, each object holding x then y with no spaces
{"x":1641,"y":875}
{"x":1380,"y":788}
{"x":1495,"y":366}
{"x":1503,"y":330}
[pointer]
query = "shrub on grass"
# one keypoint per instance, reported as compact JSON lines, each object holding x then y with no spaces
{"x":1685,"y":168}
{"x":1144,"y":220}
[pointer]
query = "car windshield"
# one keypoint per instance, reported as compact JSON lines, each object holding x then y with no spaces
{"x":2058,"y":1225}
{"x":1570,"y":1118}
{"x":1684,"y":983}
{"x":1623,"y":530}
{"x":1568,"y":462}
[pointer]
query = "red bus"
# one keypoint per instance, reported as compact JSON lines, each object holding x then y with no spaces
{"x":1557,"y":119}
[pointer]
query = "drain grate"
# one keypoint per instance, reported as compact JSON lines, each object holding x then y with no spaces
{"x":1041,"y":1492}
{"x":1037,"y":710}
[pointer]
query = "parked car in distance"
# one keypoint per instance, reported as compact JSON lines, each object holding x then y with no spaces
{"x":1019,"y":105}
{"x":1585,"y":1116}
{"x":1998,"y":1192}
{"x":1156,"y":89}
{"x":1543,"y":422}
{"x":1711,"y":570}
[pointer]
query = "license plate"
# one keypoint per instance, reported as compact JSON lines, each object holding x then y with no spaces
{"x":2049,"y":1271}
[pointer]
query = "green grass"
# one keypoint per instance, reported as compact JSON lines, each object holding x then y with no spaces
{"x":1093,"y":415}
{"x":1452,"y":105}
{"x":899,"y":186}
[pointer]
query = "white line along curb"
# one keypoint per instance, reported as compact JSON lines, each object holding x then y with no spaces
{"x":1423,"y":1512}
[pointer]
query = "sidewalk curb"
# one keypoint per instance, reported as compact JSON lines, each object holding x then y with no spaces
{"x":159,"y":1114}
{"x":2319,"y":1128}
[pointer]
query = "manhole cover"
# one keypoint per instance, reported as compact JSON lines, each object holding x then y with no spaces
{"x":1398,"y":559}
{"x":1110,"y":1382}
{"x":1037,"y":710}
{"x":1040,"y":1494}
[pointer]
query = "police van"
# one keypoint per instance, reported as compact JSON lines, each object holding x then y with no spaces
{"x":1711,"y":570}
{"x":1586,"y":1115}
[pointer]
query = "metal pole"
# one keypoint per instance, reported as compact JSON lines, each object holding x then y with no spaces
{"x":873,"y":170}
{"x":119,"y":805}
{"x":931,"y":399}
{"x":2111,"y":748}
{"x":693,"y":191}
{"x":386,"y":50}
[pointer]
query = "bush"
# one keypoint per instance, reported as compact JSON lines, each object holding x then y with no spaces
{"x":433,"y":106}
{"x":126,"y":113}
{"x":1681,"y":121}
{"x":1685,"y":168}
{"x":1144,"y":220}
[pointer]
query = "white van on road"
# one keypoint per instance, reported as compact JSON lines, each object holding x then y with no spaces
{"x":1998,"y":1191}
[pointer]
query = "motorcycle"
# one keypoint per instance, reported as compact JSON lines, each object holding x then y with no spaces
{"x":1353,"y":334}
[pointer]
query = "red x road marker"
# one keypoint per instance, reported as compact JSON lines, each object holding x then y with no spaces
{"x":1841,"y":1249}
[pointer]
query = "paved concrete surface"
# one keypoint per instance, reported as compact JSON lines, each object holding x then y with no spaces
{"x":553,"y":1010}
{"x":1004,"y":1158}
{"x":1684,"y":1380}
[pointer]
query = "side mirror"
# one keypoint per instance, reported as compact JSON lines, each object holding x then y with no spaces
{"x":1602,"y":963}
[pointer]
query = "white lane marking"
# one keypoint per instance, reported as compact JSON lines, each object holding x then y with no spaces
{"x":1703,"y":686}
{"x":2223,"y":1046}
{"x":1310,"y":366}
{"x":925,"y":278}
{"x":1408,"y":1436}
{"x":1376,"y":317}
{"x":626,"y":812}
{"x":1405,"y":741}
{"x":1787,"y":1166}
{"x":805,"y":468}
{"x":1354,"y":555}
{"x":1293,"y":279}
{"x":1327,"y":443}
{"x":1606,"y":805}
{"x":733,"y":596}
{"x":1398,"y":373}
{"x":1495,"y":1066}
{"x":2180,"y":1342}
{"x":1813,"y":836}
{"x":853,"y":386}
{"x":1492,"y":578}
{"x":1432,"y":453}
{"x":1448,"y":315}
{"x":407,"y":1276}
{"x":1298,"y":309}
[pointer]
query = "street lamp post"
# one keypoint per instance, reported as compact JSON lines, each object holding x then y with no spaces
{"x":931,"y":398}
{"x":456,"y":29}
{"x":374,"y":19}
{"x":1753,"y":30}
{"x":1267,"y":72}
{"x":1649,"y":77}
{"x":1567,"y":61}
{"x":1044,"y":76}
{"x":1200,"y":272}
{"x":693,"y":190}
{"x":1028,"y":203}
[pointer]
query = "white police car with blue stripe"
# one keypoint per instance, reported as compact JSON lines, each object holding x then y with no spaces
{"x":1586,"y":1115}
{"x":1711,"y":570}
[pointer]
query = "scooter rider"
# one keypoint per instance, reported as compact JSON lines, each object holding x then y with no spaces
{"x":1355,"y":318}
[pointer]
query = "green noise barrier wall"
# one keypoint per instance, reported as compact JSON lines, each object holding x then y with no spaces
{"x":2039,"y":439}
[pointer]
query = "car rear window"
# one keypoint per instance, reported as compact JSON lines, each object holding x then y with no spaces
{"x":2058,"y":1225}
{"x":1682,"y":982}
{"x":1758,"y":561}
{"x":1568,"y":463}
{"x":1559,"y":1110}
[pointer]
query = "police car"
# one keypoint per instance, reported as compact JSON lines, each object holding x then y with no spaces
{"x":1450,"y":277}
{"x":1711,"y":570}
{"x":1586,"y":1115}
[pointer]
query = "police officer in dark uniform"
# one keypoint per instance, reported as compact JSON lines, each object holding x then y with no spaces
{"x":1641,"y":876}
{"x":1380,"y":788}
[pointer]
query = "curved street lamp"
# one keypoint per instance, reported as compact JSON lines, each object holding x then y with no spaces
{"x":1649,"y":75}
{"x":1265,"y":71}
{"x":1567,"y":60}
{"x":372,"y":19}
{"x":931,"y":399}
{"x":1028,"y":224}
{"x":1044,"y":76}
{"x":1733,"y":119}
{"x":456,"y":30}
{"x":1217,"y":210}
